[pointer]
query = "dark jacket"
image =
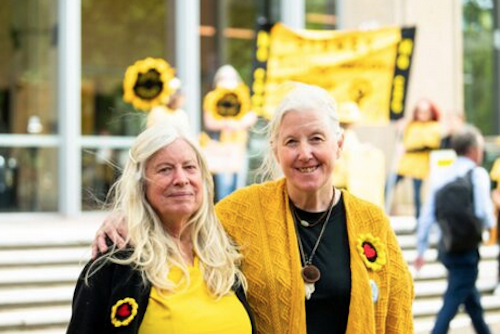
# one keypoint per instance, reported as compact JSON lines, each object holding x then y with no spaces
{"x":117,"y":287}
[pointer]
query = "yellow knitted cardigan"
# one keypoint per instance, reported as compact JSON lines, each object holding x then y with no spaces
{"x":258,"y":218}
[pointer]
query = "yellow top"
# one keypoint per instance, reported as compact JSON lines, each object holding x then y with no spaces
{"x":194,"y":310}
{"x":495,"y":172}
{"x":423,"y":136}
{"x":259,"y":219}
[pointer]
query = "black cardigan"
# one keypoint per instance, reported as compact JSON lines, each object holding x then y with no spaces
{"x":93,"y":303}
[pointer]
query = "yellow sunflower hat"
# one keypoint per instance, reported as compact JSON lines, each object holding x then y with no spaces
{"x":147,"y":83}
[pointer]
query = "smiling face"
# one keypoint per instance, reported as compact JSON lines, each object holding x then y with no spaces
{"x":174,"y":186}
{"x":306,"y":149}
{"x":423,"y":112}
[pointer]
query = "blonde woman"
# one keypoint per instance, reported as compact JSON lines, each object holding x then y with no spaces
{"x":178,"y":255}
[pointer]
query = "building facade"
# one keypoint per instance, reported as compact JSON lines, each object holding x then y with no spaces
{"x":64,"y":128}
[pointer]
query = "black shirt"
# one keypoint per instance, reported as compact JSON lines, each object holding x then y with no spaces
{"x":328,"y":309}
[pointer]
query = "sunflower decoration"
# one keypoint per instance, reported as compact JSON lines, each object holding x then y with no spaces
{"x":372,"y":251}
{"x":123,"y":312}
{"x":228,"y":103}
{"x":147,"y":83}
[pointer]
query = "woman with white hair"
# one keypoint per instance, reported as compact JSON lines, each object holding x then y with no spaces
{"x":317,"y":259}
{"x":178,"y":254}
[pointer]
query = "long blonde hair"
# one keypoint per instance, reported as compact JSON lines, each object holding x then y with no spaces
{"x":155,"y":251}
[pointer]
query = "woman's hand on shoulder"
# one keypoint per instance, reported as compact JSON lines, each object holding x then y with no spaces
{"x":114,"y":228}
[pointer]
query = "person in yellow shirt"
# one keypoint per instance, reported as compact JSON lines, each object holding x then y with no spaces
{"x":360,"y":169}
{"x":179,"y":272}
{"x":228,"y":117}
{"x":495,"y":195}
{"x":421,"y":135}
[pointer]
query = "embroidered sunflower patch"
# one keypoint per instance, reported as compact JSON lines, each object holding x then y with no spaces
{"x":372,"y":251}
{"x":123,"y":312}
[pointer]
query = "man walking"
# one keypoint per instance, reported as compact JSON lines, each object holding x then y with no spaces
{"x":462,"y":265}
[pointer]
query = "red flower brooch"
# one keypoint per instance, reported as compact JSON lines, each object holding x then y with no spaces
{"x":372,"y":251}
{"x":123,"y":312}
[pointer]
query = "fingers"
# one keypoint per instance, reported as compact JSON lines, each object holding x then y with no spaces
{"x":99,"y":244}
{"x":114,"y":228}
{"x":419,"y":263}
{"x":118,"y":234}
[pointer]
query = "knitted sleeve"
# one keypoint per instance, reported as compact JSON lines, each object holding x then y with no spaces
{"x":399,"y":311}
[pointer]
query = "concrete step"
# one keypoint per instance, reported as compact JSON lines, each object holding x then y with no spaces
{"x":40,"y":230}
{"x":34,"y":330}
{"x":44,"y":256}
{"x":461,"y":324}
{"x":436,"y":271}
{"x":37,"y":317}
{"x":39,"y":275}
{"x":488,"y":253}
{"x":431,"y":306}
{"x":17,"y":297}
{"x":436,"y":288}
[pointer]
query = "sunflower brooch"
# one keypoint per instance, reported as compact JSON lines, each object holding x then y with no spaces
{"x":147,"y":83}
{"x":372,"y":251}
{"x":224,"y":103}
{"x":123,"y":312}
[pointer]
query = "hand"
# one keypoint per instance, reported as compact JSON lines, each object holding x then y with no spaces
{"x":419,"y":262}
{"x":115,"y":228}
{"x":495,"y":196}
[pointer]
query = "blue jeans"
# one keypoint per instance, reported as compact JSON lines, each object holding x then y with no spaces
{"x":225,"y":183}
{"x":462,"y":275}
{"x":417,"y":185}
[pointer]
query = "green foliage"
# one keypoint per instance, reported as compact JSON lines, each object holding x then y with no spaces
{"x":478,"y":63}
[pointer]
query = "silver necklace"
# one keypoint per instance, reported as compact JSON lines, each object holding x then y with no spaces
{"x":305,"y":223}
{"x":310,"y":273}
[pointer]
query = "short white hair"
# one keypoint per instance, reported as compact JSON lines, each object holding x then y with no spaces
{"x":300,"y":98}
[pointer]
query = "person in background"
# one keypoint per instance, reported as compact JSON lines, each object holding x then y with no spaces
{"x":177,"y":253}
{"x":361,"y":167}
{"x":462,"y":267}
{"x":318,"y":260}
{"x":231,"y":130}
{"x":421,"y":135}
{"x":172,"y":112}
{"x":349,"y":114}
{"x":452,"y":123}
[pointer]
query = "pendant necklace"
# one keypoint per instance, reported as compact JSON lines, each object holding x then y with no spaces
{"x":305,"y":223}
{"x":310,"y":273}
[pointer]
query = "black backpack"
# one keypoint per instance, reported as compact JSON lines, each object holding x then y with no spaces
{"x":460,"y":228}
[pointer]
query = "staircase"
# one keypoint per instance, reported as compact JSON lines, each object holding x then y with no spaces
{"x":430,"y":282}
{"x":40,"y":261}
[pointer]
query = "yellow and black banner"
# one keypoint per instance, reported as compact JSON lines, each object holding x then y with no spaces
{"x":402,"y":73}
{"x":354,"y":66}
{"x":259,"y":68}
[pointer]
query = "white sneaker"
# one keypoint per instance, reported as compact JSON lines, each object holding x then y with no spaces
{"x":496,"y":292}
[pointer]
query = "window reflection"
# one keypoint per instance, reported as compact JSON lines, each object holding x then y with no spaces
{"x":115,"y":34}
{"x":100,"y":169}
{"x":28,"y":59}
{"x":28,"y":179}
{"x":321,"y":14}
